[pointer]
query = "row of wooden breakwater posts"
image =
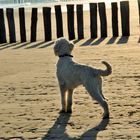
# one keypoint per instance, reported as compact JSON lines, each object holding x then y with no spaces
{"x":125,"y":21}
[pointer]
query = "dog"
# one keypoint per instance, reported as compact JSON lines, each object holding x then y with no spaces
{"x":71,"y":74}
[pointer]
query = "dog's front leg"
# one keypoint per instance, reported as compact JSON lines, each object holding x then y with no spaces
{"x":63,"y":98}
{"x":69,"y":100}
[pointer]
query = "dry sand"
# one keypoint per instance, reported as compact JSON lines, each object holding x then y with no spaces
{"x":30,"y":100}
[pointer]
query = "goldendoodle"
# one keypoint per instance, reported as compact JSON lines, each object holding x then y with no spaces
{"x":71,"y":74}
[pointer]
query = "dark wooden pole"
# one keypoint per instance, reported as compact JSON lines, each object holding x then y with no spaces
{"x":11,"y":24}
{"x":115,"y":29}
{"x":22,"y":24}
{"x":103,"y":19}
{"x":93,"y":20}
{"x":33,"y":24}
{"x":70,"y":19}
{"x":139,"y":9}
{"x":47,"y":23}
{"x":2,"y":27}
{"x":80,"y":22}
{"x":124,"y":5}
{"x":59,"y":21}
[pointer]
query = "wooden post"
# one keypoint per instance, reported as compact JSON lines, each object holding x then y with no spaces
{"x":139,"y":9}
{"x":33,"y":24}
{"x":124,"y":5}
{"x":11,"y":24}
{"x":70,"y":19}
{"x":80,"y":23}
{"x":22,"y":24}
{"x":47,"y":23}
{"x":103,"y":19}
{"x":2,"y":27}
{"x":115,"y":29}
{"x":59,"y":21}
{"x":93,"y":20}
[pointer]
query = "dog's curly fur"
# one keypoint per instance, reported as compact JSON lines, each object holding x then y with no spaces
{"x":71,"y":74}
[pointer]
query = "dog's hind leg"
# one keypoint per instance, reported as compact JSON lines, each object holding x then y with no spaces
{"x":94,"y":91}
{"x":100,"y":88}
{"x":69,"y":100}
{"x":63,"y":98}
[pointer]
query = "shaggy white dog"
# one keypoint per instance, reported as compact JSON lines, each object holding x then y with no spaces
{"x":71,"y":74}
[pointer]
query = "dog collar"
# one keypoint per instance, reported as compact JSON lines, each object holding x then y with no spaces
{"x":63,"y":55}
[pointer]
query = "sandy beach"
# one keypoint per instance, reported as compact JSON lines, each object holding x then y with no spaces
{"x":29,"y":92}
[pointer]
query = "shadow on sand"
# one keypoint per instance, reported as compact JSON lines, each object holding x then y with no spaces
{"x":58,"y":130}
{"x":8,"y":45}
{"x":12,"y":138}
{"x":26,"y":45}
{"x":88,"y":42}
{"x":123,"y":40}
{"x":95,"y":42}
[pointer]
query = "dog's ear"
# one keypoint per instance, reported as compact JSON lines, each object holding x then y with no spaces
{"x":71,"y":45}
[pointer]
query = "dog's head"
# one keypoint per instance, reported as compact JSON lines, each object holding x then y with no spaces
{"x":63,"y":46}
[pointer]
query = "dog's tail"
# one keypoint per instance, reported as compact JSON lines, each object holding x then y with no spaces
{"x":107,"y":71}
